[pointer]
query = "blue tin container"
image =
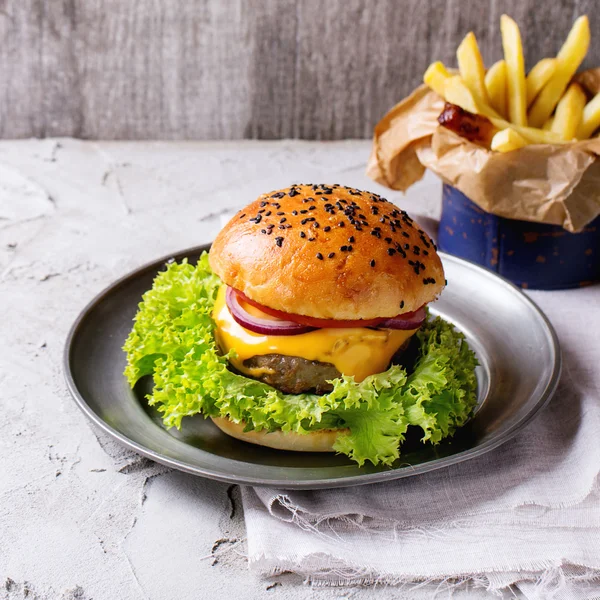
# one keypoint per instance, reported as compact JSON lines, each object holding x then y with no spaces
{"x":531,"y":255}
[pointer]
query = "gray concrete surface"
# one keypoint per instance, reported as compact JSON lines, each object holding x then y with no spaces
{"x":80,"y":517}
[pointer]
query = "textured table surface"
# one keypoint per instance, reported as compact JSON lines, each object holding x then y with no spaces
{"x":80,"y":517}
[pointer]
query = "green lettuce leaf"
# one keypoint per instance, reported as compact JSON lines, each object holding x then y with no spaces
{"x":172,"y":340}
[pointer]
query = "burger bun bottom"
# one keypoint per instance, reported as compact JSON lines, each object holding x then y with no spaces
{"x":315,"y":441}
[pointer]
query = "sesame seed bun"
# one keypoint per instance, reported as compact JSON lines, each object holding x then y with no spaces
{"x":328,"y":252}
{"x":315,"y":441}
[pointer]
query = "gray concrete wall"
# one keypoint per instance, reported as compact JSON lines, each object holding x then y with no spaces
{"x":229,"y":69}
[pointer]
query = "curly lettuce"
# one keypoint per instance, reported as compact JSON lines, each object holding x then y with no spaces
{"x":172,"y":340}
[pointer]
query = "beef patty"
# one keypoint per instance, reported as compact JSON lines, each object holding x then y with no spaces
{"x":292,"y":374}
{"x":295,"y":375}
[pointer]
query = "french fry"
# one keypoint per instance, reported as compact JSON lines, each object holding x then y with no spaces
{"x":495,"y":84}
{"x":515,"y":71}
{"x":569,"y":112}
{"x":436,"y":76}
{"x":590,"y":120}
{"x":548,"y":124}
{"x":457,"y":92}
{"x":508,"y":139}
{"x":471,"y":67}
{"x":538,"y":77}
{"x":569,"y":57}
{"x":532,"y":134}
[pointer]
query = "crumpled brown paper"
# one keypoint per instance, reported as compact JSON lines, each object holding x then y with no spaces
{"x":557,"y":184}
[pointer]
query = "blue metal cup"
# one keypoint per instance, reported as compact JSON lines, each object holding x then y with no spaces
{"x":531,"y":255}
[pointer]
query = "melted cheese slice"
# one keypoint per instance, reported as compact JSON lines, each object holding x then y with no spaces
{"x":356,"y":351}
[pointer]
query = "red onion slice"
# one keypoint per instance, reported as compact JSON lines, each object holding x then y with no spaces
{"x":258,"y":325}
{"x":412,"y":320}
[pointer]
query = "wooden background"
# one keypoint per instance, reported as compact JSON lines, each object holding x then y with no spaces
{"x":229,"y":69}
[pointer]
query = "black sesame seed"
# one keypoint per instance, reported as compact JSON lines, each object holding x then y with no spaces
{"x":279,"y":241}
{"x":319,"y":256}
{"x":425,"y":253}
{"x":263,"y":203}
{"x":312,"y":239}
{"x":316,"y":225}
{"x":351,"y":239}
{"x":391,"y":251}
{"x":283,"y":220}
{"x":262,"y":210}
{"x":342,"y":224}
{"x":278,"y":195}
{"x":257,"y":219}
{"x":268,"y":213}
{"x":331,"y":255}
{"x":312,"y":207}
{"x":302,"y":234}
{"x":402,"y":304}
{"x":293,"y":192}
{"x":242,"y":215}
{"x":280,"y":213}
{"x":327,"y":228}
{"x":372,"y":263}
{"x":388,"y":240}
{"x":294,"y":212}
{"x":281,"y":227}
{"x":406,"y":246}
{"x":263,"y":231}
{"x":349,"y":248}
{"x":405,"y":234}
{"x":343,"y":248}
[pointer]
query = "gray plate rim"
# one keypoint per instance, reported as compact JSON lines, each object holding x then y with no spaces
{"x":354,"y":480}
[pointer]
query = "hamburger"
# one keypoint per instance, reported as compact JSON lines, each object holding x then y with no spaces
{"x":293,"y":332}
{"x":319,"y":281}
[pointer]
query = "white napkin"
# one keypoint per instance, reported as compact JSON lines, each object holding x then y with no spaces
{"x":526,"y":514}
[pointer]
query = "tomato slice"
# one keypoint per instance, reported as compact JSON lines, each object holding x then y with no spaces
{"x":311,"y":321}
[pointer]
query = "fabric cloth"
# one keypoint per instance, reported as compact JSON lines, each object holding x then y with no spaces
{"x":525,"y":514}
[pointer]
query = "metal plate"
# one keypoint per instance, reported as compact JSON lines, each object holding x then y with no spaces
{"x":516,"y":346}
